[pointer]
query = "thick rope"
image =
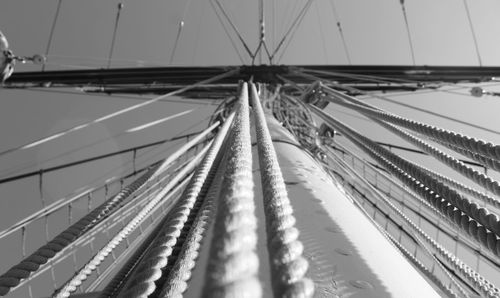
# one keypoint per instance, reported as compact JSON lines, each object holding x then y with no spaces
{"x":448,"y":160}
{"x":176,"y":282}
{"x":478,"y":282}
{"x":233,"y":266}
{"x":141,"y":282}
{"x":13,"y":276}
{"x":45,"y":253}
{"x":117,"y":282}
{"x":472,"y":144}
{"x":72,"y":284}
{"x":464,"y":188}
{"x":462,"y":212}
{"x":485,"y":161}
{"x":288,"y":266}
{"x":135,"y":249}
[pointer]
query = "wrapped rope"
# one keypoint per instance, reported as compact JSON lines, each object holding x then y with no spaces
{"x":233,"y":266}
{"x":449,"y":202}
{"x":472,"y":144}
{"x":288,"y":265}
{"x":141,"y":282}
{"x":82,"y":274}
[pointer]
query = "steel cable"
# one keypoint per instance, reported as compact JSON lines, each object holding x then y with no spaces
{"x":485,"y":161}
{"x":176,"y":279}
{"x":448,"y":160}
{"x":31,"y":264}
{"x":453,"y":205}
{"x":288,"y":266}
{"x":478,"y":282}
{"x":72,"y":284}
{"x":465,"y":189}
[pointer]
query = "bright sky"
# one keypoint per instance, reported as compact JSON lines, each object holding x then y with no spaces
{"x":374,"y":32}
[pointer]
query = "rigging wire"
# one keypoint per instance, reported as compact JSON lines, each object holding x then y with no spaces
{"x":120,"y":7}
{"x":117,"y":113}
{"x":179,"y":31}
{"x":292,"y":30}
{"x":287,"y":17}
{"x":99,"y":60}
{"x":91,"y":159}
{"x":52,"y":29}
{"x":341,"y":31}
{"x":474,"y":37}
{"x":409,"y":106}
{"x":31,"y":164}
{"x":227,"y":32}
{"x":234,"y":28}
{"x":403,"y":8}
{"x":322,"y":33}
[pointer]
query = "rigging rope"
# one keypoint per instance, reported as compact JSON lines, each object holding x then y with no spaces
{"x":176,"y":281}
{"x":403,"y":8}
{"x":465,"y":189}
{"x":463,"y":239}
{"x":46,"y":252}
{"x":233,"y":262}
{"x":52,"y":29}
{"x":456,"y":207}
{"x":120,"y":7}
{"x":408,"y":224}
{"x":384,"y":98}
{"x":474,"y":145}
{"x":485,"y":161}
{"x":448,"y":160}
{"x":341,"y":31}
{"x":288,"y":266}
{"x":91,"y":159}
{"x":141,"y":282}
{"x":31,"y":264}
{"x":478,"y":282}
{"x":61,"y":203}
{"x":82,"y":274}
{"x":122,"y":111}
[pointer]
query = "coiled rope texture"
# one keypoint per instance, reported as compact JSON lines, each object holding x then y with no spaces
{"x":465,"y":189}
{"x":477,"y":177}
{"x":472,"y":144}
{"x":288,"y":266}
{"x":477,"y":281}
{"x":117,"y":282}
{"x":233,"y":263}
{"x":485,"y":161}
{"x":74,"y":282}
{"x":13,"y":276}
{"x":176,"y":281}
{"x":448,"y":201}
{"x":141,"y":282}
